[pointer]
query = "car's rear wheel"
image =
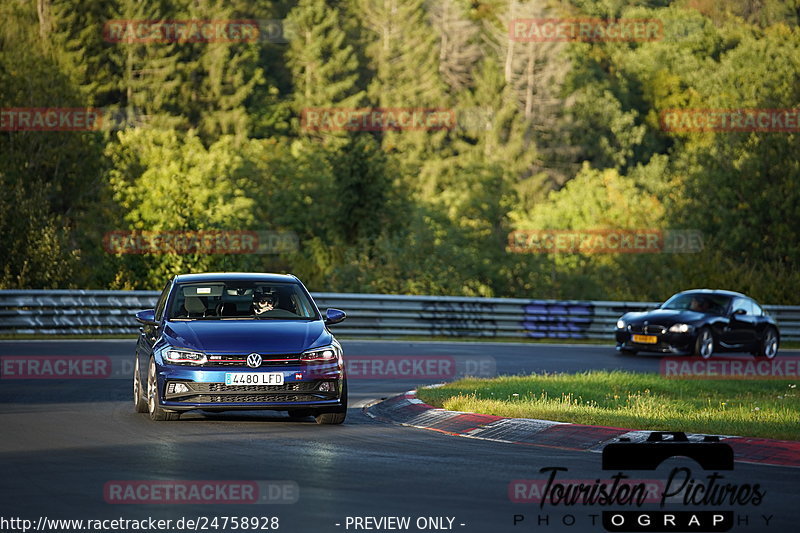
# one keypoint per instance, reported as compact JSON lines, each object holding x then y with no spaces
{"x":338,"y":416}
{"x":704,"y":345}
{"x":769,"y":344}
{"x":139,"y":401}
{"x":154,"y":398}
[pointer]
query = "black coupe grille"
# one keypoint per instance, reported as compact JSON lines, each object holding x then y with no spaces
{"x":649,"y":329}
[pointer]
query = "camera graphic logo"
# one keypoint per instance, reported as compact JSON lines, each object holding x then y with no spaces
{"x":710,"y":454}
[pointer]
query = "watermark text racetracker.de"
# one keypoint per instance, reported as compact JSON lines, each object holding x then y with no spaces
{"x":730,"y":120}
{"x":377,"y":119}
{"x":200,"y":242}
{"x":605,"y":241}
{"x":437,"y":367}
{"x":64,"y":367}
{"x":70,"y":119}
{"x":139,"y":31}
{"x":179,"y":492}
{"x":180,"y":31}
{"x":585,"y":30}
{"x":51,"y":119}
{"x":730,"y":368}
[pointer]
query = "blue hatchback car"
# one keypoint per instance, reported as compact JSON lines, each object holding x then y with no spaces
{"x":219,"y":342}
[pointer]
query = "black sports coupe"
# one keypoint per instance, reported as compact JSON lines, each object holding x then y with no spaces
{"x":700,"y":322}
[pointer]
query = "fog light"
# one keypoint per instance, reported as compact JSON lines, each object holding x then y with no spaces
{"x":177,"y":388}
{"x":327,"y":386}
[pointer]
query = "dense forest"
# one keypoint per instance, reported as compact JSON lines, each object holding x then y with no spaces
{"x":547,"y":134}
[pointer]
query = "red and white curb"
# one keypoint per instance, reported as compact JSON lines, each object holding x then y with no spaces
{"x":408,"y":410}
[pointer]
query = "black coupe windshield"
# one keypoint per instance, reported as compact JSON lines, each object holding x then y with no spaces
{"x":238,"y":300}
{"x":716,"y":304}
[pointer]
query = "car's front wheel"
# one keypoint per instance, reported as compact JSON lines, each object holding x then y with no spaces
{"x":769,"y":344}
{"x":139,"y":401}
{"x":704,"y":345}
{"x":338,"y":416}
{"x":154,"y":398}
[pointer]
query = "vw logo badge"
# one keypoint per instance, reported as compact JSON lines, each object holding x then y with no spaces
{"x":254,"y":360}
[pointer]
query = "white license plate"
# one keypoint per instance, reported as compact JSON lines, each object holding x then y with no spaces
{"x":253,"y":378}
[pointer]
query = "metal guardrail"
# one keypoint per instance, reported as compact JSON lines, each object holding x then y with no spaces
{"x":375,"y":315}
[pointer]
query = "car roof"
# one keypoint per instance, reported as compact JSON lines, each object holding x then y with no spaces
{"x":209,"y":277}
{"x":715,"y":291}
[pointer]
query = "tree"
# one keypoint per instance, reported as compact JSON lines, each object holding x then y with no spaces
{"x":48,"y":178}
{"x":324,"y":63}
{"x":166,"y":181}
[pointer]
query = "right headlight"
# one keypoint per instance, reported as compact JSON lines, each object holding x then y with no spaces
{"x":326,"y":353}
{"x":177,"y":356}
{"x":620,"y":324}
{"x":680,"y":328}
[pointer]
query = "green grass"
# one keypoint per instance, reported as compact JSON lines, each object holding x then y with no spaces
{"x":752,"y":408}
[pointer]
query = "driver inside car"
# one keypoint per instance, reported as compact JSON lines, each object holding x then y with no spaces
{"x":700,"y":305}
{"x":263,"y":302}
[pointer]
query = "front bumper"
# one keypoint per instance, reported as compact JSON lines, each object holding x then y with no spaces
{"x":666,"y":343}
{"x":305,"y":386}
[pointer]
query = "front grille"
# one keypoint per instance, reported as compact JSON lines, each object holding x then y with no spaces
{"x":650,"y":329}
{"x":226,"y":360}
{"x":301,"y":386}
{"x":299,"y":391}
{"x":251,"y":398}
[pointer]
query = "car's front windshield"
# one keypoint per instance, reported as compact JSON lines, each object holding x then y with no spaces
{"x":228,"y":300}
{"x":716,"y":304}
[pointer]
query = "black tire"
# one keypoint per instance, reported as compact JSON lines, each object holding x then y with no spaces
{"x":704,"y":343}
{"x":337,"y":416}
{"x":769,"y":344}
{"x":139,"y":401}
{"x":331,"y":418}
{"x":154,"y":397}
{"x":627,"y":351}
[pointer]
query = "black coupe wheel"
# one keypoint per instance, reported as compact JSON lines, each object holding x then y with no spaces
{"x":769,"y":344}
{"x":154,"y":398}
{"x":704,"y":345}
{"x":139,"y":401}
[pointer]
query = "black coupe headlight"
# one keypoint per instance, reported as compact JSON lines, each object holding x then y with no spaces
{"x":680,"y":328}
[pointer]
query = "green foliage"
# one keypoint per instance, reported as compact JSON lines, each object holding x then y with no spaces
{"x":47,"y":179}
{"x":323,"y":61}
{"x":548,"y":135}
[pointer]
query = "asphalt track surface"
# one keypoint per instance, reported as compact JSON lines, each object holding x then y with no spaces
{"x":63,"y":441}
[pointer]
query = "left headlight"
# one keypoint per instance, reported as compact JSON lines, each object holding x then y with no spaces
{"x":326,"y":353}
{"x":173,"y":355}
{"x":680,"y":328}
{"x":620,"y":324}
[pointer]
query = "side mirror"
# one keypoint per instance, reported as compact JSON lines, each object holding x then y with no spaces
{"x":147,"y":317}
{"x":739,"y":311}
{"x":334,"y":316}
